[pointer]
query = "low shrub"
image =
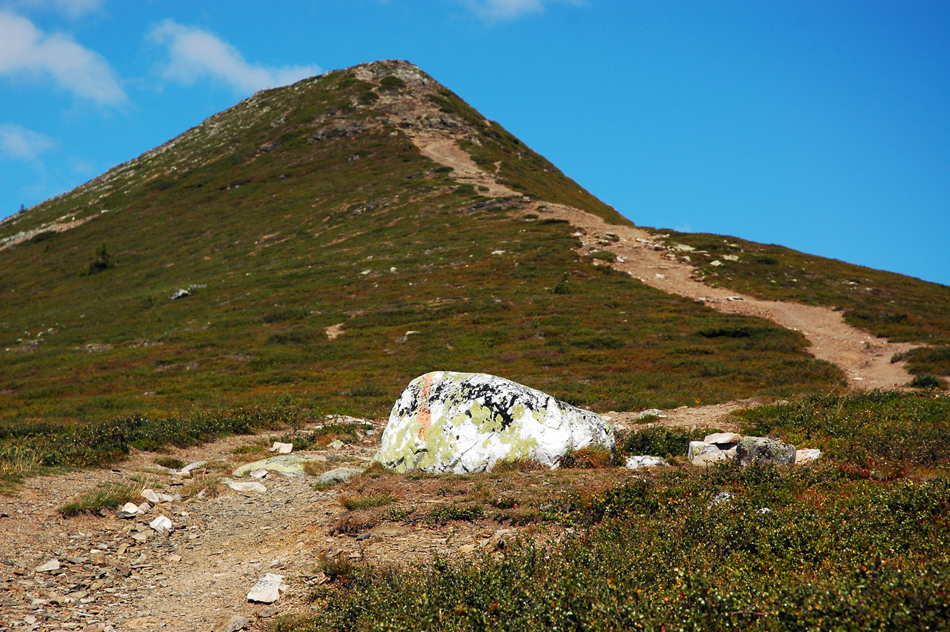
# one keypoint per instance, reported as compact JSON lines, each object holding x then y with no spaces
{"x":104,"y":497}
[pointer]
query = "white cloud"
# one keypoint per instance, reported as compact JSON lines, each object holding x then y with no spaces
{"x":195,"y":54}
{"x":70,"y":8}
{"x":24,"y":49}
{"x":23,"y":144}
{"x":497,"y":10}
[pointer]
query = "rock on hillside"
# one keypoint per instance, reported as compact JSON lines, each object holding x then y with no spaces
{"x":466,"y":422}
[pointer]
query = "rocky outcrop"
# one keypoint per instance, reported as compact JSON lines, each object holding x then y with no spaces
{"x":466,"y":422}
{"x":722,"y":446}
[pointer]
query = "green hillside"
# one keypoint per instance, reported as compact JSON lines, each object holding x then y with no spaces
{"x":307,"y":207}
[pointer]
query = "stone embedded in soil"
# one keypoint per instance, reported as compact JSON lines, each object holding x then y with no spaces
{"x":267,"y":589}
{"x":246,"y":487}
{"x":807,"y":454}
{"x":286,"y":463}
{"x":466,"y":422}
{"x":636,"y":462}
{"x":339,"y":475}
{"x":260,"y":473}
{"x":230,"y":624}
{"x":51,"y":565}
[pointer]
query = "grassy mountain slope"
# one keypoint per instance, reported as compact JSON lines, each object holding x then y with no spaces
{"x":890,"y":305}
{"x":308,"y":207}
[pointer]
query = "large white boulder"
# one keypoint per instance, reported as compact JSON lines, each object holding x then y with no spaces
{"x":466,"y":422}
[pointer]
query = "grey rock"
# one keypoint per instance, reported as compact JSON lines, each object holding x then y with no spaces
{"x":339,"y":475}
{"x":652,"y":412}
{"x":286,"y":463}
{"x":696,"y":448}
{"x":711,"y":454}
{"x":636,"y":462}
{"x":179,"y":293}
{"x":230,"y":624}
{"x":281,"y":448}
{"x":763,"y":450}
{"x":807,"y":454}
{"x":51,"y":565}
{"x":720,"y":498}
{"x":161,"y":524}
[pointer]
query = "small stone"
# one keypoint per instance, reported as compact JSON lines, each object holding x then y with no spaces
{"x":720,"y":498}
{"x":270,"y":611}
{"x":191,"y":466}
{"x":363,"y":536}
{"x":246,"y":487}
{"x":636,"y":462}
{"x":807,"y":454}
{"x":161,"y":524}
{"x":722,"y":437}
{"x":260,"y":473}
{"x":52,"y":565}
{"x":267,"y":589}
{"x":230,"y":624}
{"x":128,"y":510}
{"x":281,"y":448}
{"x":339,"y":475}
{"x":145,"y":508}
{"x":652,"y":412}
{"x":140,"y":537}
{"x":174,"y":559}
{"x":336,"y":445}
{"x":30,"y":619}
{"x":179,"y":293}
{"x":150,"y":496}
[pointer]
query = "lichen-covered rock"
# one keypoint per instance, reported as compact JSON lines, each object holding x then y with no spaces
{"x":762,"y":450}
{"x":466,"y":422}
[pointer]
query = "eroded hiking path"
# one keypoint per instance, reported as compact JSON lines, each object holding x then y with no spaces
{"x":865,"y":359}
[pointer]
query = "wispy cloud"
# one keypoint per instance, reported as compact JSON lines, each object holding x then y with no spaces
{"x":70,"y":8}
{"x":196,"y":54}
{"x":26,"y":50}
{"x":22,"y":144}
{"x":498,"y":10}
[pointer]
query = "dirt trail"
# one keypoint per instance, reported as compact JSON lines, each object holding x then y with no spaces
{"x":865,"y":359}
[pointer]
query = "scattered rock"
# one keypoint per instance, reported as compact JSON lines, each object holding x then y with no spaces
{"x":651,"y":412}
{"x":267,"y":589}
{"x":807,"y":454}
{"x":150,"y":496}
{"x":128,"y":510}
{"x":339,"y":475}
{"x":259,"y":473}
{"x":281,"y":448}
{"x":636,"y":462}
{"x":246,"y":487}
{"x":337,"y":445}
{"x":52,"y":565}
{"x":161,"y":524}
{"x":179,"y":293}
{"x":720,"y":498}
{"x":696,"y":447}
{"x":760,"y":449}
{"x":466,"y":422}
{"x":230,"y":624}
{"x":191,"y":466}
{"x":711,"y":454}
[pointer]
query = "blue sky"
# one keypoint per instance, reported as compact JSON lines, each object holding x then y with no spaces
{"x":823,"y":126}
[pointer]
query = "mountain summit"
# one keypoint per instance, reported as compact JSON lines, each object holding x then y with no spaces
{"x":325,"y":243}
